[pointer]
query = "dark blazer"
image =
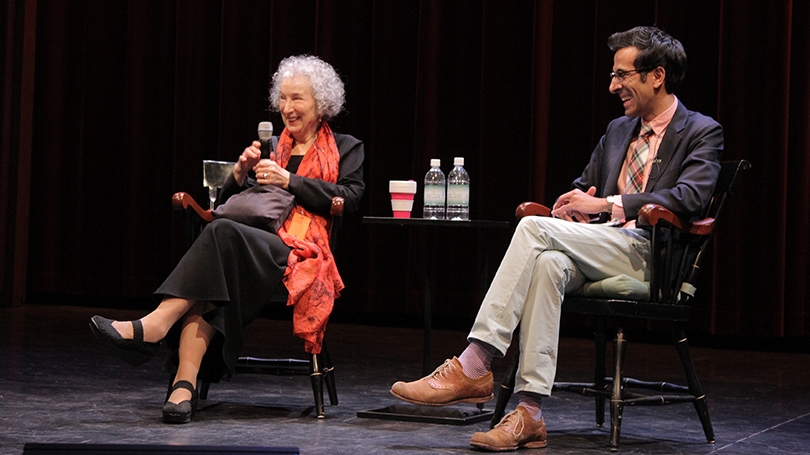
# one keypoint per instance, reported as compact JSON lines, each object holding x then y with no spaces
{"x":683,"y":175}
{"x":316,"y":195}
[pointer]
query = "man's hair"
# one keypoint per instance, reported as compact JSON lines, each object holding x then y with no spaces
{"x":656,"y":48}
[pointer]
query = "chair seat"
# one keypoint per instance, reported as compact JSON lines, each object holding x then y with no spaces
{"x":616,"y":287}
{"x":626,"y":308}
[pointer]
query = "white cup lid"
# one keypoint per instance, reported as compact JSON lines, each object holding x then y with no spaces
{"x":402,"y":186}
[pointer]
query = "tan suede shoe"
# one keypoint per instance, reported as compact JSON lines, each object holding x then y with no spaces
{"x":516,"y":430}
{"x":446,"y":385}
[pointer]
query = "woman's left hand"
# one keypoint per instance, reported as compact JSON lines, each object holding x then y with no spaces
{"x":268,"y":172}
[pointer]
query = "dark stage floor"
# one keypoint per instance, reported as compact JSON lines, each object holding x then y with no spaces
{"x":58,"y":385}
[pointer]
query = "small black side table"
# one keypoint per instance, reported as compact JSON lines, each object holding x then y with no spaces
{"x":424,"y":413}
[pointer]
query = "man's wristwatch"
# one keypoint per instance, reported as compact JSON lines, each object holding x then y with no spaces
{"x":611,"y":200}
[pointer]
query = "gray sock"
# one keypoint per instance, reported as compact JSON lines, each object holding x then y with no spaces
{"x":533,"y":404}
{"x":476,"y":360}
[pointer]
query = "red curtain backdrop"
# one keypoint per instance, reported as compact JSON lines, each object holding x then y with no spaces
{"x":110,"y":105}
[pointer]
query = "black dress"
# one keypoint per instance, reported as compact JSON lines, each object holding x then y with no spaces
{"x":235,"y":269}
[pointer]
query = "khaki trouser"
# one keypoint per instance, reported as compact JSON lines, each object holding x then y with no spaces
{"x":547,"y":258}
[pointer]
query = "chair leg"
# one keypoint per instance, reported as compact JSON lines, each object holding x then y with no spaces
{"x":329,"y":380}
{"x":600,"y":340}
{"x":695,"y":388}
{"x":329,"y":375}
{"x":203,"y":392}
{"x":316,"y":376}
{"x":169,"y":389}
{"x":507,"y":387}
{"x":616,"y":401}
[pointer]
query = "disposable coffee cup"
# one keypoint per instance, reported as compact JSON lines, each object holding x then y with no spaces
{"x":402,"y":192}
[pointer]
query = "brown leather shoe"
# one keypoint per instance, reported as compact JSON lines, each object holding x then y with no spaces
{"x":516,"y":430}
{"x":446,"y":385}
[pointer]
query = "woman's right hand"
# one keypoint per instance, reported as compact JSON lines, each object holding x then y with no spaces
{"x":249,"y":158}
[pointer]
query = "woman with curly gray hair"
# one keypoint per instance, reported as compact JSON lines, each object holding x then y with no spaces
{"x":230,"y":272}
{"x":327,"y":87}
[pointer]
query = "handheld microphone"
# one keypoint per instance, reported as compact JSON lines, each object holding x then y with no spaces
{"x":265,"y":134}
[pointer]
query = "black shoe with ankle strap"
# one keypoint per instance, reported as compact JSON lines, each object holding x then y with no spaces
{"x":134,"y":351}
{"x":183,"y":411}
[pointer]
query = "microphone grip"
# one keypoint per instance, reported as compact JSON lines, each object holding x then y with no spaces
{"x":266,"y":149}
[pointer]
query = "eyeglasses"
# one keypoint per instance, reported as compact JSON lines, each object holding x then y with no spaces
{"x":621,"y":75}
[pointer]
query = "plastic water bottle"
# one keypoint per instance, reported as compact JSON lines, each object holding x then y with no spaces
{"x":434,"y":192}
{"x":458,"y":192}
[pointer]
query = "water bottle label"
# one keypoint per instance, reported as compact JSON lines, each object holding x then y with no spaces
{"x":458,"y":195}
{"x":434,"y":195}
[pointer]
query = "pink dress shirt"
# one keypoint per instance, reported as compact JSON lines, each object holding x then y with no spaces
{"x":659,"y":126}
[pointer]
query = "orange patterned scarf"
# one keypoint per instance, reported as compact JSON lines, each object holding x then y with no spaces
{"x":312,"y":278}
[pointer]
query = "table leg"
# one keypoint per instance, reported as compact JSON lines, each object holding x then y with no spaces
{"x":429,"y":279}
{"x":484,"y":282}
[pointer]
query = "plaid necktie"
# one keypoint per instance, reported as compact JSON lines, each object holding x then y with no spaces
{"x":635,"y":170}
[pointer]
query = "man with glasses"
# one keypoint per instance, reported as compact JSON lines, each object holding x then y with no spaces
{"x":658,"y":152}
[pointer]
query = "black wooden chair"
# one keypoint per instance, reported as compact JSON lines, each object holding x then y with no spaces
{"x":318,"y":366}
{"x":678,"y":248}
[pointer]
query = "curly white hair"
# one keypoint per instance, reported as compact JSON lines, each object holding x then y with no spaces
{"x":327,"y":87}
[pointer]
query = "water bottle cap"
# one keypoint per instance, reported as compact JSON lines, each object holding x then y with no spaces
{"x":435,"y":162}
{"x":458,"y":161}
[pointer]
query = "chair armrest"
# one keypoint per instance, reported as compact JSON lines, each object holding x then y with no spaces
{"x":531,"y":209}
{"x":651,"y":214}
{"x":337,"y":206}
{"x":182,"y":201}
